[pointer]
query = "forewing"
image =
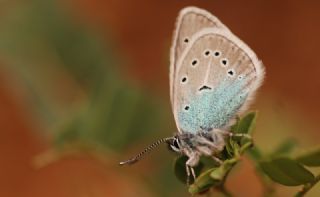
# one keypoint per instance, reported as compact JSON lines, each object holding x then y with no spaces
{"x":190,"y":21}
{"x":215,"y":78}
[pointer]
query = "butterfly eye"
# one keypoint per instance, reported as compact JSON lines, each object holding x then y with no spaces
{"x":186,"y":40}
{"x":224,"y":62}
{"x":175,"y":145}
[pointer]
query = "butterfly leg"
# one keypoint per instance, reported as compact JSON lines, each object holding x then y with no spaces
{"x":244,"y":135}
{"x":204,"y":141}
{"x":193,"y":173}
{"x":230,"y":134}
{"x":188,"y":174}
{"x":188,"y":170}
{"x":205,"y":150}
{"x":216,"y":159}
{"x":192,"y":161}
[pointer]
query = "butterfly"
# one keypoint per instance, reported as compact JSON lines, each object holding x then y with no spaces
{"x":213,"y":79}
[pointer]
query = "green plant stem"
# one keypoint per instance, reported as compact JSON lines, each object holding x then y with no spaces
{"x":221,"y":188}
{"x":308,"y":187}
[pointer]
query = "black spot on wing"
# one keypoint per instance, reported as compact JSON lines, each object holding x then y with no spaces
{"x":205,"y":88}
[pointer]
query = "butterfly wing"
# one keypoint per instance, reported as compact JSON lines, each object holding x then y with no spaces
{"x":189,"y":21}
{"x":214,"y":80}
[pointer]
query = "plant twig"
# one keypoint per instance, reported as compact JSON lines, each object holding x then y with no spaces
{"x":308,"y":187}
{"x":221,"y":188}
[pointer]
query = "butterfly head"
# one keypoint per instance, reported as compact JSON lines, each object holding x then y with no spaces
{"x":175,"y":144}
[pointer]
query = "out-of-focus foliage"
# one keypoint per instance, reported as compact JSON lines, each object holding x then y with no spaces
{"x":311,"y":159}
{"x":56,"y":58}
{"x":71,"y":80}
{"x":287,"y":172}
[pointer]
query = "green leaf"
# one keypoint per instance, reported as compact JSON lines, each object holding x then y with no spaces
{"x":203,"y":182}
{"x":255,"y":153}
{"x":286,"y":171}
{"x":245,"y":124}
{"x":212,"y":177}
{"x":219,"y":173}
{"x":246,"y":146}
{"x":310,"y":159}
{"x":208,"y":163}
{"x":230,"y":148}
{"x":284,"y":148}
{"x":180,"y":169}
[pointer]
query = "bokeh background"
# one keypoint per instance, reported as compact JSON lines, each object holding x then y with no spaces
{"x":84,"y":84}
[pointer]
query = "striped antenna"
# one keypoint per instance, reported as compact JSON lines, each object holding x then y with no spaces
{"x":146,"y":150}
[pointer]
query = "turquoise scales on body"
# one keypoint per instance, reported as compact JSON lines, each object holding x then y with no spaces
{"x":213,"y":108}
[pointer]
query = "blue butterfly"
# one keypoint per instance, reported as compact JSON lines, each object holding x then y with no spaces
{"x":213,"y":78}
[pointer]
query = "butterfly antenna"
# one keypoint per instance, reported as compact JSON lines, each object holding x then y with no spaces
{"x":146,"y":150}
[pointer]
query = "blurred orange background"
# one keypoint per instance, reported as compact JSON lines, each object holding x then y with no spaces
{"x":284,"y":34}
